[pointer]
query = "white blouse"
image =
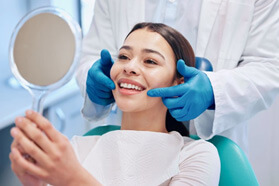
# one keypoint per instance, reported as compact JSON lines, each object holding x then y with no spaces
{"x":125,"y":157}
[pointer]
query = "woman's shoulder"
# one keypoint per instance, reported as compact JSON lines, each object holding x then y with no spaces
{"x":189,"y":142}
{"x":193,"y":146}
{"x":196,"y":148}
{"x":198,"y":163}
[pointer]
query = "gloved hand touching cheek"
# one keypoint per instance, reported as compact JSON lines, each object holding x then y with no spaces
{"x":188,"y":100}
{"x":98,"y":83}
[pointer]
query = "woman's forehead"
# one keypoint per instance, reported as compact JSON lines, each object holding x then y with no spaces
{"x":145,"y":39}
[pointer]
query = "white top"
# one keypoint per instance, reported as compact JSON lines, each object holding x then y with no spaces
{"x":125,"y":157}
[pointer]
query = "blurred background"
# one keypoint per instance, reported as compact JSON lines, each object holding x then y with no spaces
{"x":62,"y":107}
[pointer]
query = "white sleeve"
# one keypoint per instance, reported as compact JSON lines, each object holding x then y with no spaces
{"x":100,"y":36}
{"x":199,"y":165}
{"x":242,"y":92}
{"x":94,"y":112}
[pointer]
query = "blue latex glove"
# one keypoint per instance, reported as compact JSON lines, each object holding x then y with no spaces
{"x":98,"y":83}
{"x":188,"y":100}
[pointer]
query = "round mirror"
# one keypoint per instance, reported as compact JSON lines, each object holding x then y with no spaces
{"x":44,"y":51}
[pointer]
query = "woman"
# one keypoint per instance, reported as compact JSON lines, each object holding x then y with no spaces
{"x":146,"y":151}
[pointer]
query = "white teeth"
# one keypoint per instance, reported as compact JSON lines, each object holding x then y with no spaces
{"x":130,"y":86}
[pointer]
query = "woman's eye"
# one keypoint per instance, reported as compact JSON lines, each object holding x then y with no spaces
{"x":150,"y":61}
{"x":123,"y":57}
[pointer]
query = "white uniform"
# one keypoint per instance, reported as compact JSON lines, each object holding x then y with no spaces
{"x":148,"y":158}
{"x":240,"y":38}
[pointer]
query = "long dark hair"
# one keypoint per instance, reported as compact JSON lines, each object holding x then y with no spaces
{"x":182,"y":50}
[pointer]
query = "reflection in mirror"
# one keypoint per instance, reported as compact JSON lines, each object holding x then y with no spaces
{"x":44,"y":50}
{"x":41,"y":49}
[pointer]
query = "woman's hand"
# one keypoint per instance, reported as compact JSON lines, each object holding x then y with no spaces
{"x":54,"y":160}
{"x":16,"y":157}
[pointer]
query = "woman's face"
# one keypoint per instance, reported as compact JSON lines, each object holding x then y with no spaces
{"x":145,"y":61}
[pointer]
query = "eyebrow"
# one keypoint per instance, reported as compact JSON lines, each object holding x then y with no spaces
{"x":146,"y":50}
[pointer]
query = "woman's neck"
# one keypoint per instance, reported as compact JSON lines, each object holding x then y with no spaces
{"x":148,"y":120}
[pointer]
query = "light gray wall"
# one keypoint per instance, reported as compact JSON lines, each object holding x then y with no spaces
{"x":263,"y":130}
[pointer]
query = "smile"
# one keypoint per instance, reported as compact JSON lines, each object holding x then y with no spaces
{"x":130,"y":87}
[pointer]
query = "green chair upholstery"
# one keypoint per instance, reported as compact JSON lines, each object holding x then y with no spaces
{"x":236,"y":169}
{"x":98,"y":131}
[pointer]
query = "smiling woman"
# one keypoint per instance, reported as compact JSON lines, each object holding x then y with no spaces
{"x":144,"y":64}
{"x":145,"y":151}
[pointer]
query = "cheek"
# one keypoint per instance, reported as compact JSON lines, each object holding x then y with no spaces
{"x":161,"y":79}
{"x":114,"y":71}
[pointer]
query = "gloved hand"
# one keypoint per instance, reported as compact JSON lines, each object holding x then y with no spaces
{"x":98,"y":83}
{"x":188,"y":100}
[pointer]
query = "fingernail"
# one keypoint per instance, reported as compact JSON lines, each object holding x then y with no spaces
{"x":18,"y":120}
{"x":13,"y":151}
{"x":29,"y":112}
{"x":14,"y":132}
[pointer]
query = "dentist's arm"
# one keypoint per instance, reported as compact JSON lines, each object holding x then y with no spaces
{"x":99,"y":36}
{"x":188,"y":100}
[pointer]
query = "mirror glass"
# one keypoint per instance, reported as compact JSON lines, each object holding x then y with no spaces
{"x":44,"y":51}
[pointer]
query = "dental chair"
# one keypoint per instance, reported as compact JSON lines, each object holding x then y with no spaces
{"x":236,"y":169}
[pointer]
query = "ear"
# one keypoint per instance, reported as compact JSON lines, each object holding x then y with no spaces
{"x":179,"y":81}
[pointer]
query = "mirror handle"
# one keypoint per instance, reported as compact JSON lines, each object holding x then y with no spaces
{"x":38,"y":97}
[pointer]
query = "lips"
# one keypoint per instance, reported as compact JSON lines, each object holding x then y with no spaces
{"x":130,"y":85}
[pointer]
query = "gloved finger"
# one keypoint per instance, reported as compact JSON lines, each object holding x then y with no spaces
{"x":175,"y":112}
{"x":173,"y":103}
{"x":102,"y":85}
{"x":177,"y":90}
{"x":179,"y":114}
{"x":100,"y":98}
{"x":91,"y":85}
{"x":106,"y":59}
{"x":186,"y":118}
{"x":186,"y":71}
{"x":101,"y":79}
{"x":96,"y":93}
{"x":184,"y":109}
{"x":103,"y":94}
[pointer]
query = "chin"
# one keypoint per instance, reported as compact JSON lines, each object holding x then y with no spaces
{"x":128,"y":106}
{"x":128,"y":103}
{"x":135,"y":103}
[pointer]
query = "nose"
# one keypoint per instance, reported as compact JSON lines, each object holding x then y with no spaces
{"x":131,"y":68}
